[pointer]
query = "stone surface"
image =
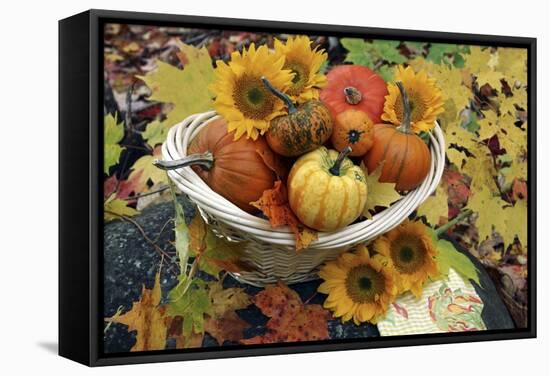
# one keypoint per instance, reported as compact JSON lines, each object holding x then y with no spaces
{"x":130,"y":263}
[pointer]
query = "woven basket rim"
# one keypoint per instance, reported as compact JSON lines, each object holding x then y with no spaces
{"x":260,"y":228}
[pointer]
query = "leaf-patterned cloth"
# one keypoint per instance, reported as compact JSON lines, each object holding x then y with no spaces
{"x":449,"y":305}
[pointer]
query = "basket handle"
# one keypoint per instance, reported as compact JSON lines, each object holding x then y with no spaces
{"x":204,"y":159}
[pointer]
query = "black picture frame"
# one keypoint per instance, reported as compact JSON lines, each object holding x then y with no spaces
{"x":80,"y":185}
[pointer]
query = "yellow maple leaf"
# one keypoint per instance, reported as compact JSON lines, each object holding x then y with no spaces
{"x":516,"y":223}
{"x":147,"y":318}
{"x":490,"y":77}
{"x":113,"y":132}
{"x":435,"y":207}
{"x":478,"y":59}
{"x":513,"y":63}
{"x":144,"y":170}
{"x":380,"y":194}
{"x":226,"y":299}
{"x":187,"y":89}
{"x":481,"y":170}
{"x":114,"y":208}
{"x":517,"y":169}
{"x":489,"y":211}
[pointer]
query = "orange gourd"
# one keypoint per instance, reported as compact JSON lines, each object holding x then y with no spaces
{"x":405,"y":156}
{"x":354,"y":87}
{"x":353,"y":128}
{"x":238,"y":170}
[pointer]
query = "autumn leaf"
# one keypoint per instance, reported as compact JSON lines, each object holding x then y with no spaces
{"x":113,"y":132}
{"x":228,"y":327}
{"x":144,"y":171}
{"x":146,"y":318}
{"x":515,"y":218}
{"x":290,"y":319}
{"x":229,"y":299}
{"x":181,"y":232}
{"x":448,"y":257}
{"x":224,"y":324}
{"x":187,"y":89}
{"x":274,"y":205}
{"x":155,"y":133}
{"x":379,"y":194}
{"x":435,"y":207}
{"x":114,"y":208}
{"x":371,"y":54}
{"x":489,"y":209}
{"x":191,"y":305}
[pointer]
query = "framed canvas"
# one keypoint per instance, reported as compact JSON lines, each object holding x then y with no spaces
{"x":240,"y":187}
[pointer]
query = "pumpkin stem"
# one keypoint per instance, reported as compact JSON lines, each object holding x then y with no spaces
{"x":405,"y":126}
{"x":335,"y":169}
{"x":205,"y":159}
{"x":353,"y":96}
{"x":291,"y":106}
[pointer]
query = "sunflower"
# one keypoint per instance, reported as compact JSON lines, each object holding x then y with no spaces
{"x":358,"y":287}
{"x":425,"y":100}
{"x":241,"y":97}
{"x":409,"y":249}
{"x":305,"y":64}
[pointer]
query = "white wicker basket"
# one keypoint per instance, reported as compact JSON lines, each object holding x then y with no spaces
{"x":271,"y":250}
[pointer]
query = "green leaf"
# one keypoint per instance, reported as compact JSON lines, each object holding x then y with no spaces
{"x":367,"y":54}
{"x":386,"y":72}
{"x":113,"y":132}
{"x":155,"y":133}
{"x":449,"y":257}
{"x":359,"y":51}
{"x":181,"y":232}
{"x":388,"y":50}
{"x":114,"y":207}
{"x":192,"y":305}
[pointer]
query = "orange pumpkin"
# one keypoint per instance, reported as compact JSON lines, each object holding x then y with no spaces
{"x":354,"y":87}
{"x":238,"y":170}
{"x":405,"y":156}
{"x":353,"y":128}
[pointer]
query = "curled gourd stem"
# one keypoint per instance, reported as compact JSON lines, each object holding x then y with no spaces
{"x":335,"y":169}
{"x":353,"y":96}
{"x":280,"y":95}
{"x":405,"y":126}
{"x":204,"y":159}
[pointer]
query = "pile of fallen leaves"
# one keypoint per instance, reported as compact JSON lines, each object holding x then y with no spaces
{"x":485,"y":126}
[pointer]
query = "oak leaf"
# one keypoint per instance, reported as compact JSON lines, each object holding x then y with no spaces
{"x":290,"y":319}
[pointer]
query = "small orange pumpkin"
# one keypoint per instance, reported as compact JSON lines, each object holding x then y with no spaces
{"x":353,"y":128}
{"x":405,"y":156}
{"x":354,"y":87}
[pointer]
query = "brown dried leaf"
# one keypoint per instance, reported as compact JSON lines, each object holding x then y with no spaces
{"x":229,"y":327}
{"x":274,"y":205}
{"x":290,"y":319}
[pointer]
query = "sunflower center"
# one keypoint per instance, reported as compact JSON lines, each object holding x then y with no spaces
{"x":408,"y":254}
{"x":301,"y":75}
{"x":418,"y":107}
{"x":252,"y":98}
{"x":363,"y":284}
